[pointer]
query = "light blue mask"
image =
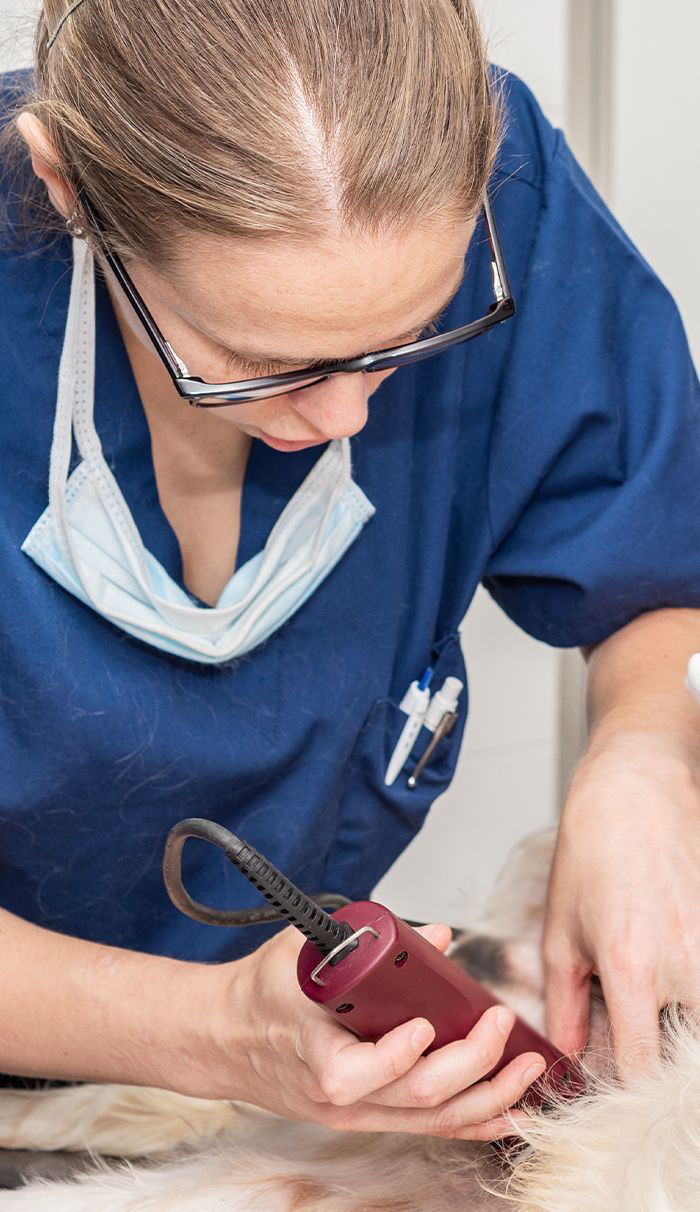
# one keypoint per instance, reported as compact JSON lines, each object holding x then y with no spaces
{"x":88,"y":542}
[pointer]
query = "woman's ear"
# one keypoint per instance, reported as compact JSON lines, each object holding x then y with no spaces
{"x":44,"y":156}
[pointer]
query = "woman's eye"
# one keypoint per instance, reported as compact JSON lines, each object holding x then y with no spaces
{"x":231,"y":362}
{"x":251,"y":370}
{"x":260,"y":370}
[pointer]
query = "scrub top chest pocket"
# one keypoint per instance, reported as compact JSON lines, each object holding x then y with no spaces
{"x":376,"y":822}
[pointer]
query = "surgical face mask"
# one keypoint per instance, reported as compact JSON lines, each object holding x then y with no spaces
{"x":87,"y":540}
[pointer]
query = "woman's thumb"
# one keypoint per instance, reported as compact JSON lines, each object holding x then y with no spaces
{"x":436,"y":933}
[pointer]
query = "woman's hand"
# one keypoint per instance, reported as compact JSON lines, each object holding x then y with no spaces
{"x":276,"y":1049}
{"x":624,"y":896}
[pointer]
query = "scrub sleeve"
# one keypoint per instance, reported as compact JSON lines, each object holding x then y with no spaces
{"x":593,"y":479}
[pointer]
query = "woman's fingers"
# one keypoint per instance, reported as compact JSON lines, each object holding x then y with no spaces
{"x":390,"y":1086}
{"x":454,"y":1067}
{"x":441,"y":1095}
{"x":493,"y":1128}
{"x":486,"y":1100}
{"x":475,"y":1114}
{"x":632,"y":1003}
{"x":568,"y":992}
{"x":437,"y":933}
{"x":351,"y":1070}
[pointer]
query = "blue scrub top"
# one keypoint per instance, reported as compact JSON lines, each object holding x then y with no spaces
{"x":556,"y":459}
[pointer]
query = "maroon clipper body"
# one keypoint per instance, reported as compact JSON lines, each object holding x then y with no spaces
{"x":361,"y":963}
{"x":394,"y":974}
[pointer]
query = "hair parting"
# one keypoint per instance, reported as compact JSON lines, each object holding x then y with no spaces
{"x":257,"y":121}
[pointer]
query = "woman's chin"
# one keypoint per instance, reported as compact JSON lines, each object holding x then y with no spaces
{"x":281,"y":444}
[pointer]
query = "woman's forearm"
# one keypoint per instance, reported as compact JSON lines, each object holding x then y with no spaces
{"x":76,"y":1009}
{"x":636,"y":682}
{"x":623,"y":899}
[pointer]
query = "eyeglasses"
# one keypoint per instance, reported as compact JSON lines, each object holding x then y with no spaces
{"x":198,"y":392}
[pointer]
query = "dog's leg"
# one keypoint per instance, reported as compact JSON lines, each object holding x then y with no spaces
{"x":118,"y":1121}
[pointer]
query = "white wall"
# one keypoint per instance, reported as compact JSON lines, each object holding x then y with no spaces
{"x":655,"y":141}
{"x":531,"y":39}
{"x":17,"y":18}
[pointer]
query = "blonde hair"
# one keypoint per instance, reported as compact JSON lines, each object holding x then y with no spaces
{"x":260,"y":119}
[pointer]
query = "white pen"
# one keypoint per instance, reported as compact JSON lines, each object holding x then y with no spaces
{"x":415,"y":702}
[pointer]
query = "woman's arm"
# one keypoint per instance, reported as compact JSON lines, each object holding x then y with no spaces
{"x":79,"y":1010}
{"x":637,"y":682}
{"x":243,"y":1030}
{"x":624,"y":897}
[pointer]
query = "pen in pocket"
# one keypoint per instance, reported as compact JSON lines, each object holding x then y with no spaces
{"x":440,"y":719}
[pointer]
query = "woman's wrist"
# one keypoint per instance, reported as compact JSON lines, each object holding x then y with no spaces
{"x":637,"y":693}
{"x":198,"y":1053}
{"x":184,"y":1028}
{"x":617,"y":754}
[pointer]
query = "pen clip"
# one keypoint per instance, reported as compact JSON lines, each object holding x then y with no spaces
{"x":414,"y":705}
{"x":443,"y":729}
{"x":415,"y":696}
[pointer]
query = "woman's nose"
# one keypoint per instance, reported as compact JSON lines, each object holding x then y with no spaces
{"x":337,"y":407}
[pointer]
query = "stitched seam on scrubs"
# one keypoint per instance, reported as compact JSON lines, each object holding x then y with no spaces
{"x":539,"y":186}
{"x":543,"y":617}
{"x":498,"y":404}
{"x":564,"y":156}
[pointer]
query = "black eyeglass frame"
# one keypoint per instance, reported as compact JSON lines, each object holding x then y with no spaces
{"x":196,"y":390}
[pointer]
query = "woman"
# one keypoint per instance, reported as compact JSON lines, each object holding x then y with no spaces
{"x":214,"y":616}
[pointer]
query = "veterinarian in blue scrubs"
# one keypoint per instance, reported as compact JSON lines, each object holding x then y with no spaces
{"x":555,"y":458}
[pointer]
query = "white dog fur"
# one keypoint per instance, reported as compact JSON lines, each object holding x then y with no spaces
{"x":615,"y":1149}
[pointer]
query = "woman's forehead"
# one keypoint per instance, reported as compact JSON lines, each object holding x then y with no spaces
{"x":238,"y":292}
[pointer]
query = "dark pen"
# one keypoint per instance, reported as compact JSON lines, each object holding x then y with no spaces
{"x":444,"y":728}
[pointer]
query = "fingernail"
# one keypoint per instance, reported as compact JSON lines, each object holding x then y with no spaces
{"x":533,"y":1072}
{"x":504,"y":1019}
{"x":420,"y":1036}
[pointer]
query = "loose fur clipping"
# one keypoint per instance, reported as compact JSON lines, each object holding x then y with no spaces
{"x":631,"y":1148}
{"x":615,"y":1149}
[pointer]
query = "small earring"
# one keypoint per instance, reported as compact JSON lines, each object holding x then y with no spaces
{"x":74,"y":228}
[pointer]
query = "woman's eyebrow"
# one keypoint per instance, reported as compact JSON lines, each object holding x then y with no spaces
{"x":279,"y":359}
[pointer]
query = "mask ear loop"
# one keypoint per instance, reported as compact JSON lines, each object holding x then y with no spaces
{"x":76,"y":380}
{"x":70,"y":379}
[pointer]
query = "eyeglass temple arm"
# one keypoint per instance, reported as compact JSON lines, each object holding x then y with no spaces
{"x":501,"y":284}
{"x":165,"y":350}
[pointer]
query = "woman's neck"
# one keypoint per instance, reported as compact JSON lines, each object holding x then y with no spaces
{"x":199,"y":461}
